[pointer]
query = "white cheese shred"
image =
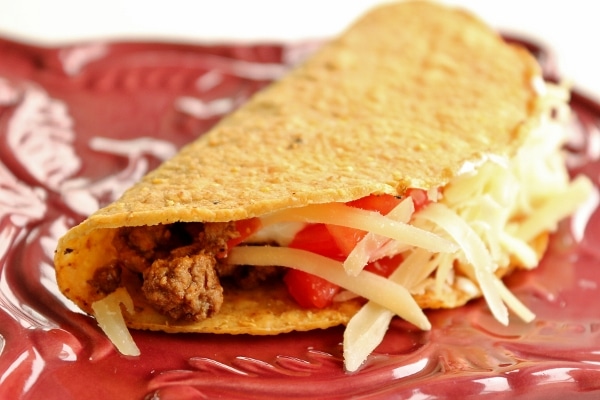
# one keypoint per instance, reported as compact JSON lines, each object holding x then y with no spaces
{"x":369,"y":245}
{"x":368,"y":221}
{"x":109,"y":316}
{"x":513,"y":303}
{"x":364,"y":333}
{"x":368,"y":326}
{"x":366,"y":284}
{"x":555,"y":209}
{"x":475,"y":252}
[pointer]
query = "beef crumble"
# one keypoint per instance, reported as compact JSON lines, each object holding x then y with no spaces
{"x":139,"y":246}
{"x":184,"y":287}
{"x":181,"y":265}
{"x":249,"y":276}
{"x":107,"y":279}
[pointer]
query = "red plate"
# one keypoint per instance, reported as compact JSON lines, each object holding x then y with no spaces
{"x":79,"y":124}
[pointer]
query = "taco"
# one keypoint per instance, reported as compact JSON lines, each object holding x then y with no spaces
{"x":411,"y":163}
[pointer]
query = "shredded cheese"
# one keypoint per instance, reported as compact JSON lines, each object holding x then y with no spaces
{"x":365,"y":284}
{"x":492,"y":212}
{"x":416,"y":267}
{"x":559,"y":206}
{"x":109,"y":316}
{"x":475,"y":252}
{"x":368,"y":221}
{"x":364,"y":333}
{"x":372,"y":242}
{"x":367,"y":328}
{"x":513,"y":303}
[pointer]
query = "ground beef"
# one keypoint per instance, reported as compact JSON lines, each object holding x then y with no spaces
{"x":139,"y":246}
{"x":107,"y":279}
{"x":184,"y":287}
{"x":248,"y":276}
{"x":180,"y":265}
{"x":177,"y":264}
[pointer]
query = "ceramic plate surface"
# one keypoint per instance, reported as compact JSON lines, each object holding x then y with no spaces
{"x":81,"y":123}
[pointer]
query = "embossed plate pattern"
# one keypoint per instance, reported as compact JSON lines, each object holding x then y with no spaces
{"x":78,"y":124}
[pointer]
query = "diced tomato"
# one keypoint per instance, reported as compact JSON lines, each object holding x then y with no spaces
{"x":384,"y":266}
{"x":245,"y":228}
{"x":337,"y":242}
{"x":308,"y":290}
{"x":317,"y":239}
{"x":345,"y":238}
{"x":383,"y":203}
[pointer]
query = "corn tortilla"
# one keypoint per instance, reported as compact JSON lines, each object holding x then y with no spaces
{"x":403,"y":99}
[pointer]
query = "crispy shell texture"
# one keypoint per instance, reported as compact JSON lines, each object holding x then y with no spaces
{"x":404,"y":98}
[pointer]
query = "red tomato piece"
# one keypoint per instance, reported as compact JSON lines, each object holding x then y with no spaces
{"x":383,"y":203}
{"x":317,"y":239}
{"x":345,"y":238}
{"x":245,"y":228}
{"x":385,"y":266}
{"x":337,"y":242}
{"x":308,"y":290}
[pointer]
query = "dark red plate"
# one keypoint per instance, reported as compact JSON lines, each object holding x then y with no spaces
{"x":78,"y":124}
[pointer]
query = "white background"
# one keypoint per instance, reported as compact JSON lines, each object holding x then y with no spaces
{"x":570,"y":28}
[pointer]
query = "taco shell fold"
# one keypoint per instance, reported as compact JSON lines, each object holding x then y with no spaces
{"x":407,"y":97}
